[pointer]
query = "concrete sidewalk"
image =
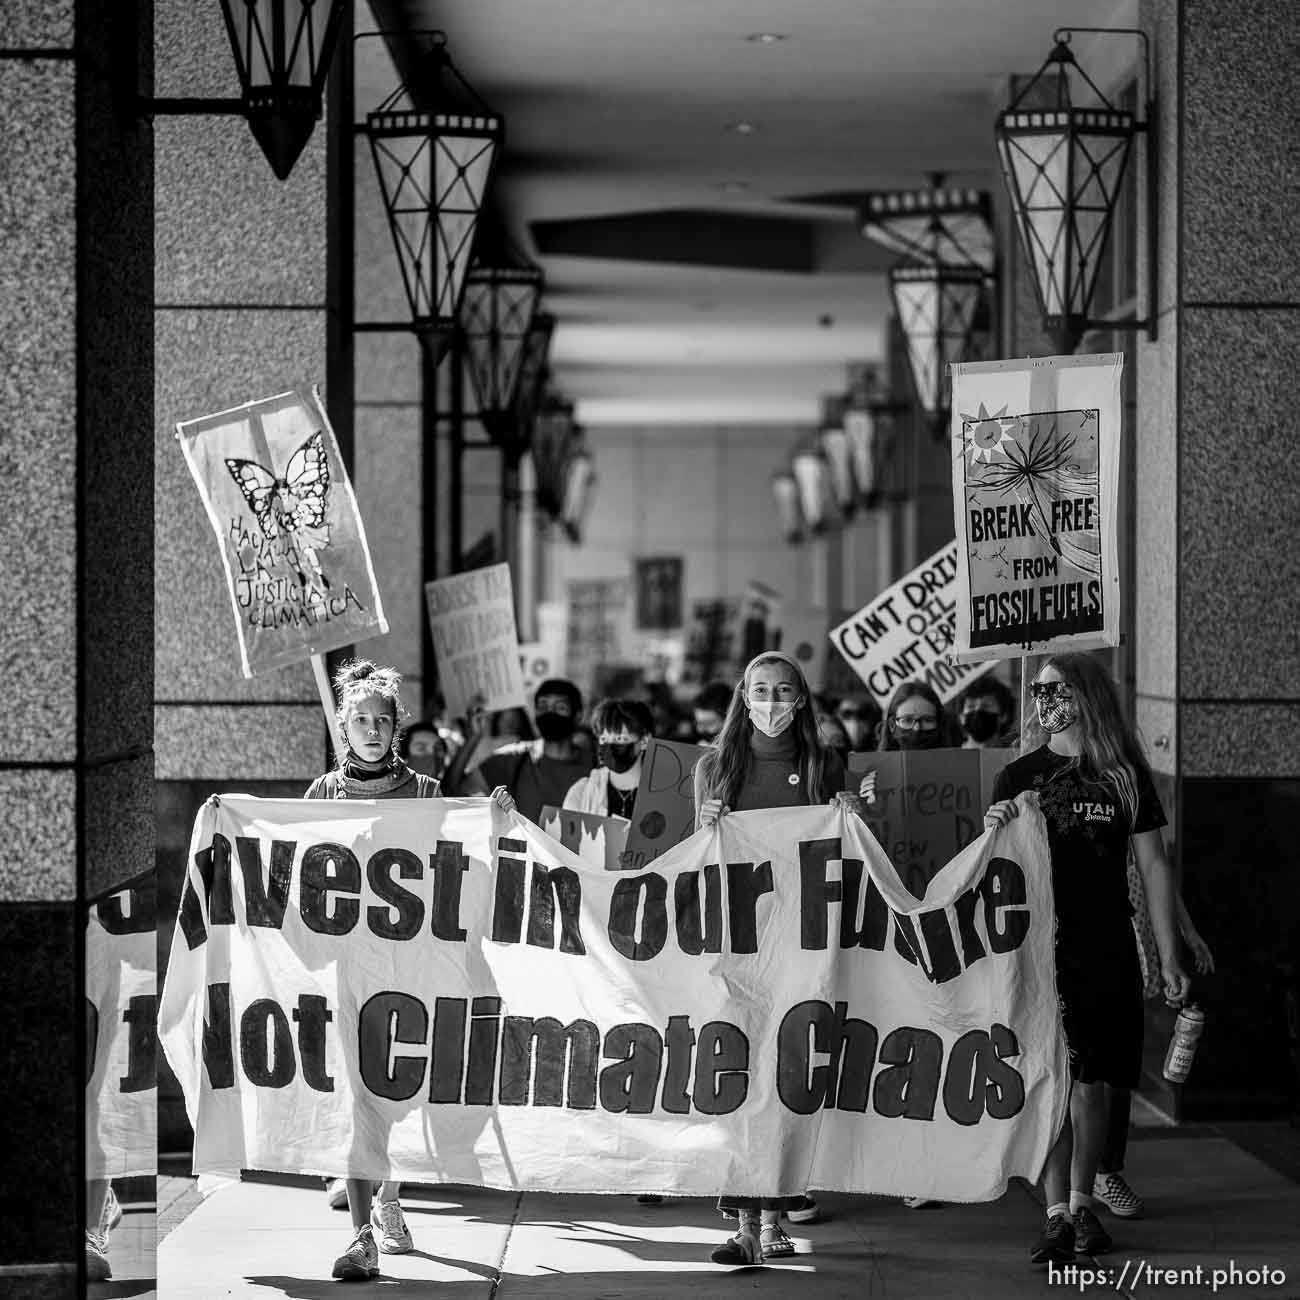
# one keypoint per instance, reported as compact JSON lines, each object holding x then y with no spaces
{"x":1210,"y":1205}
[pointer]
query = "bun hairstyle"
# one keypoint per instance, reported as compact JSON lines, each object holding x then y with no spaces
{"x":359,"y":678}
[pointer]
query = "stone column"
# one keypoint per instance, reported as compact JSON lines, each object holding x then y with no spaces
{"x":1219,"y":484}
{"x":76,"y":515}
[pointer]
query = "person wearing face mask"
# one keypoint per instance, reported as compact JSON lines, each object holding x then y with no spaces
{"x":769,"y":754}
{"x":623,"y":729}
{"x":915,"y":719}
{"x":1097,"y":798}
{"x":860,"y":716}
{"x":540,"y":772}
{"x":708,"y":710}
{"x":986,"y":712}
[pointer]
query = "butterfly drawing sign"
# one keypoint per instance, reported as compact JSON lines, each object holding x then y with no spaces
{"x":1035,"y":452}
{"x":291,"y":538}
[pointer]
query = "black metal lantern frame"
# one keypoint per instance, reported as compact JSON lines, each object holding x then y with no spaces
{"x":496,"y":316}
{"x":945,"y":235}
{"x":1063,"y":165}
{"x":435,"y":144}
{"x":553,"y":434}
{"x":283,"y":50}
{"x":533,"y":370}
{"x":785,"y":496}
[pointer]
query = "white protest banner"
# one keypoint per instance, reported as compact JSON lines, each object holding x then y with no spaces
{"x":1035,"y":455}
{"x":121,"y":1007}
{"x":472,"y":618}
{"x":292,"y":543}
{"x":907,"y":633}
{"x":434,"y":991}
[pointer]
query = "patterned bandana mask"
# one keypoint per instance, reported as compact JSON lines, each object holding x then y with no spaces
{"x":1056,"y":714}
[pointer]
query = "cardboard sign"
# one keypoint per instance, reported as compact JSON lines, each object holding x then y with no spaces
{"x":803,"y":636}
{"x":664,"y":811}
{"x":598,"y":841}
{"x":537,"y":663}
{"x":929,"y":804}
{"x":1035,"y":461}
{"x":472,"y":617}
{"x":292,"y":543}
{"x":906,"y":633}
{"x":598,"y":615}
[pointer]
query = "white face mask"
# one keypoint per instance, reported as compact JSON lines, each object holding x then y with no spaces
{"x":772,"y":717}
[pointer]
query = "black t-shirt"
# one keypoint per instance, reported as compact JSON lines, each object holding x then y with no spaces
{"x":1088,"y":832}
{"x":533,"y":783}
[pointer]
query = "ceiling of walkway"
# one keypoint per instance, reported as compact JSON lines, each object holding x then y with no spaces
{"x":699,"y":270}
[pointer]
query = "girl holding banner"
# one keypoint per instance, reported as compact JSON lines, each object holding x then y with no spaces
{"x":1096,"y":795}
{"x":369,"y":715}
{"x":769,"y":754}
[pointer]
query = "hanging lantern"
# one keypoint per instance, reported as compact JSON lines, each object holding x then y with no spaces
{"x":1063,"y":165}
{"x":552,"y":438}
{"x":812,"y":476}
{"x":785,"y":493}
{"x":833,"y":440}
{"x":579,"y":483}
{"x":434,"y":144}
{"x":532,"y":371}
{"x":942,"y":224}
{"x":936,"y":308}
{"x":496,"y":313}
{"x":283,"y":50}
{"x":946,"y":236}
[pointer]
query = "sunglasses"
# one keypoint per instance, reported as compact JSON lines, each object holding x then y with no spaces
{"x":1047,"y":692}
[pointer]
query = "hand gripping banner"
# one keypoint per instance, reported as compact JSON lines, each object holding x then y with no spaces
{"x":436,"y":991}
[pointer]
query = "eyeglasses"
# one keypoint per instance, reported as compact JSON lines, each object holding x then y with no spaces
{"x":1051,"y":691}
{"x":917,"y":724}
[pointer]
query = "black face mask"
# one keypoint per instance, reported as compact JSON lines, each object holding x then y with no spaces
{"x":618,"y":758}
{"x":555,"y":726}
{"x":980,"y":724}
{"x":919,"y":739}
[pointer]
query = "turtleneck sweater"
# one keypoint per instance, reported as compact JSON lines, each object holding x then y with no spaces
{"x":773,"y":779}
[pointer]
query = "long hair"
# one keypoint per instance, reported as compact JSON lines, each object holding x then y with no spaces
{"x":915,"y":690}
{"x":1110,"y":751}
{"x":356,"y":680}
{"x":725,"y":763}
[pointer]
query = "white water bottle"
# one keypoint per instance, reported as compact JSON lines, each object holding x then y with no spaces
{"x":1188,"y":1029}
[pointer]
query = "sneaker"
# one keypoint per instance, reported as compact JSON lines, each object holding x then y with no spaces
{"x":1112,"y":1191}
{"x":807,"y":1211}
{"x":743,"y":1248}
{"x":111,"y":1215}
{"x":773,"y":1242}
{"x":389,"y":1226}
{"x":360,"y":1261}
{"x":98,"y":1269}
{"x":336,"y":1193}
{"x":1090,"y":1238}
{"x":1056,"y":1245}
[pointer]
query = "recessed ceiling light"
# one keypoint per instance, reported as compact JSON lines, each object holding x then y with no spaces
{"x":765,"y":38}
{"x":743,"y":128}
